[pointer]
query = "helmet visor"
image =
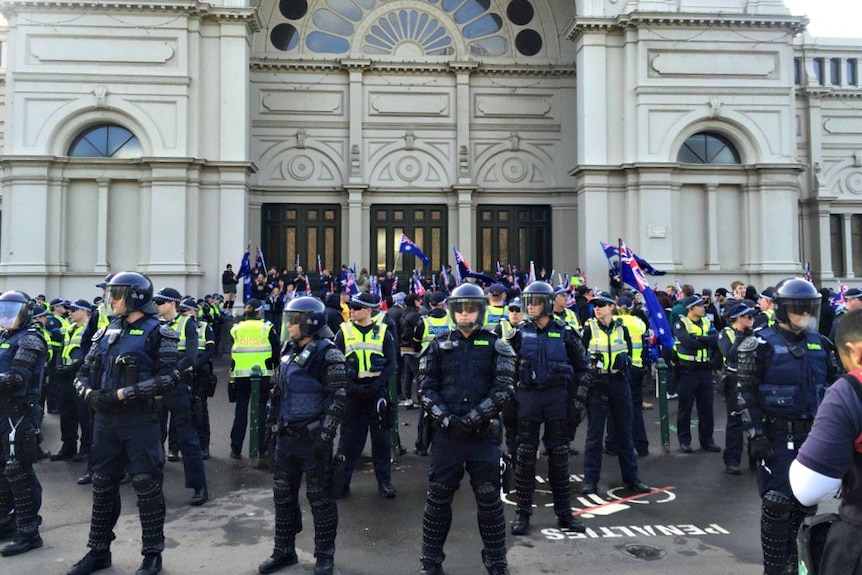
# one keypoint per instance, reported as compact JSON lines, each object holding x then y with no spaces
{"x":293,"y":317}
{"x":117,"y":294}
{"x":535,"y":300}
{"x":464,"y":306}
{"x":10,"y":314}
{"x":802,"y":313}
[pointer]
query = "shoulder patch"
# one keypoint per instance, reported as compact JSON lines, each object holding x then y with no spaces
{"x":100,"y":333}
{"x":167,"y":331}
{"x":503,"y":347}
{"x":750,"y":343}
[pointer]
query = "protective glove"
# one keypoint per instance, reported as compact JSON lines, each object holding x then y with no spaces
{"x":102,"y":400}
{"x":573,"y":419}
{"x":458,"y":429}
{"x":321,"y":449}
{"x":761,"y":448}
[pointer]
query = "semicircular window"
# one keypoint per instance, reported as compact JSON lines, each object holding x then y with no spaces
{"x":105,"y":141}
{"x":408,"y":31}
{"x":708,"y":148}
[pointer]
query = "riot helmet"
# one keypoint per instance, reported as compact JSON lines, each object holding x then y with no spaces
{"x":467,"y":298}
{"x":538,"y":293}
{"x":135,"y":290}
{"x":799,"y":298}
{"x":16,"y":310}
{"x":310,"y":314}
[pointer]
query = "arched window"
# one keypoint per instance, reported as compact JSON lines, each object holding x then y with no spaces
{"x":105,"y":141}
{"x":708,"y":148}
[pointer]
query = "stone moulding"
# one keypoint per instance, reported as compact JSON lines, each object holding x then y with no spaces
{"x":548,"y":71}
{"x":794,"y":24}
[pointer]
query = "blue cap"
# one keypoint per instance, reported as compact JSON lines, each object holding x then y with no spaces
{"x":605,"y":297}
{"x":740,"y":310}
{"x":497,"y":289}
{"x":692,"y":301}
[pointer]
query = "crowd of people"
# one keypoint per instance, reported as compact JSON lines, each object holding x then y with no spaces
{"x":487,"y":368}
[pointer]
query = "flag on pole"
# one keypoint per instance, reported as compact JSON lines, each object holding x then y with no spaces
{"x":808,"y":272}
{"x":612,"y":251}
{"x":532,"y":277}
{"x":296,"y":265}
{"x":245,"y":273}
{"x":259,"y":261}
{"x":418,"y":286}
{"x":352,"y":288}
{"x":319,"y":267}
{"x":408,"y":247}
{"x":631,"y":273}
{"x":678,"y":295}
{"x":464,"y":271}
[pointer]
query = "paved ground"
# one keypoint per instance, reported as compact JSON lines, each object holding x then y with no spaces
{"x":703,"y":521}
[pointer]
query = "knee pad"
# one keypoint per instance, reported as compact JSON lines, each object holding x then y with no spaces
{"x":528,"y":433}
{"x":14,"y":470}
{"x":103,"y":482}
{"x":776,"y":505}
{"x":145,"y":484}
{"x":556,"y":431}
{"x":282,"y":493}
{"x":487,"y":494}
{"x":526,"y":454}
{"x":440,"y":493}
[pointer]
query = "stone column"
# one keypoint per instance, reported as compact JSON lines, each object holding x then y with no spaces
{"x":357,"y":251}
{"x":712,"y":223}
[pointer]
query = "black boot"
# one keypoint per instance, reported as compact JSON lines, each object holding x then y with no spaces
{"x":521,"y":525}
{"x":571,"y":523}
{"x":94,"y":560}
{"x":278,"y":560}
{"x":151,"y":564}
{"x":22,"y":543}
{"x":201,"y":496}
{"x":431,"y":568}
{"x":325,"y":565}
{"x":66,"y":452}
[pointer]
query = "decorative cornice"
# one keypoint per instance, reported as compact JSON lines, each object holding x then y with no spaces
{"x":475,"y":68}
{"x":190,"y":8}
{"x":828,"y":93}
{"x":794,"y":24}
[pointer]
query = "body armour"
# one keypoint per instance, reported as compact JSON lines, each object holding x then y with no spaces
{"x":302,"y":391}
{"x":794,"y":382}
{"x":8,"y":348}
{"x":469,"y":369}
{"x":123,"y":350}
{"x":543,"y":358}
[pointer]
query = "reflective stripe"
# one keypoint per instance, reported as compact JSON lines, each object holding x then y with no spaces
{"x":702,"y":355}
{"x":433,"y":326}
{"x":608,"y":345}
{"x":637,"y":329}
{"x":571,"y":319}
{"x":250,"y":347}
{"x":355,"y":343}
{"x":178,"y":324}
{"x":202,"y":335}
{"x":72,"y":342}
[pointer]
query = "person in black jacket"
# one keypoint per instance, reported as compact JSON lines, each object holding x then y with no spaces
{"x":333,"y":312}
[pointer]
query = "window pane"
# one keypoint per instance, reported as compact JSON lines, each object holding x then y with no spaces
{"x":436,"y":248}
{"x":835,"y":71}
{"x":290,"y":248}
{"x":797,"y":71}
{"x":856,"y":242}
{"x":818,"y":71}
{"x":329,"y":249}
{"x":381,"y":246}
{"x":851,"y":72}
{"x":503,"y":238}
{"x":836,"y":232}
{"x":486,"y":248}
{"x":311,"y":261}
{"x":106,"y":141}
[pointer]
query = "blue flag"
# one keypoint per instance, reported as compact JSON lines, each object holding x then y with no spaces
{"x":612,"y":251}
{"x":631,"y":273}
{"x":408,"y":247}
{"x":245,"y":273}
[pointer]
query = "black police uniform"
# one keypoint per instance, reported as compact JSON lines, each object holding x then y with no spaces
{"x":23,"y":354}
{"x":695,"y":384}
{"x":465,"y":382}
{"x":141,"y":359}
{"x":308,"y":403}
{"x":203,"y":387}
{"x":729,"y":341}
{"x":782,"y":377}
{"x":553,"y":383}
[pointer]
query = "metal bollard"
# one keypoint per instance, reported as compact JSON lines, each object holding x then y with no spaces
{"x":254,"y":416}
{"x":661,"y":393}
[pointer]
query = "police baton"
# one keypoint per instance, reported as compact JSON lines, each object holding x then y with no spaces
{"x":254,"y":417}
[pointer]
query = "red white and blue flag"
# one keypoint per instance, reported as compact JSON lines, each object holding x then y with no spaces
{"x":631,"y":273}
{"x":408,"y":247}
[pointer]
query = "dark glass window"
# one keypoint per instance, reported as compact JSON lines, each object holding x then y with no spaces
{"x":819,"y":76}
{"x":284,"y":37}
{"x":106,"y":141}
{"x":708,"y":148}
{"x":797,"y":71}
{"x":851,"y":67}
{"x":528,"y":42}
{"x":835,"y":71}
{"x":293,"y":9}
{"x":520,"y":12}
{"x":836,"y":240}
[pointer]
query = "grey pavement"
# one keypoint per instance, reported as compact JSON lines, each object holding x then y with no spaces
{"x":702,"y":521}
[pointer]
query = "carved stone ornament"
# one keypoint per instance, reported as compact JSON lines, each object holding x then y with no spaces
{"x":409,"y":140}
{"x":101,"y":93}
{"x":514,"y":141}
{"x":857,"y":159}
{"x":463,"y":161}
{"x":714,"y":107}
{"x":301,"y":137}
{"x":354,"y":159}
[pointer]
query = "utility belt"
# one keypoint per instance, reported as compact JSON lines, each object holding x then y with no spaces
{"x":148,"y":405}
{"x":491,"y":430}
{"x":530,"y":385}
{"x":305,"y":432}
{"x":788,"y":425}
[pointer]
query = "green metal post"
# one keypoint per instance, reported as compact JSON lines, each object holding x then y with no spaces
{"x":661,"y":390}
{"x":394,"y":435}
{"x":254,"y":417}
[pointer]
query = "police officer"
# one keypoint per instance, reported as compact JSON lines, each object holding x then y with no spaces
{"x":553,"y":382}
{"x":23,"y":352}
{"x":782,"y":375}
{"x":852,"y":301}
{"x":496,"y":305}
{"x":71,"y":359}
{"x":568,"y":316}
{"x":507,"y":328}
{"x":255,"y":343}
{"x":466,"y":378}
{"x":308,"y":404}
{"x":435,"y":322}
{"x":637,"y":330}
{"x":695,"y":338}
{"x":130,"y":363}
{"x":203,"y":382}
{"x":177,"y":403}
{"x":742,"y":318}
{"x":609,"y":347}
{"x":369,"y":347}
{"x":766,"y":317}
{"x":508,"y":325}
{"x":52,"y":331}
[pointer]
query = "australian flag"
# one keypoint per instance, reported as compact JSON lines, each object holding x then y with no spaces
{"x":464,"y":270}
{"x":631,"y":273}
{"x":612,"y":251}
{"x":408,"y":247}
{"x":245,"y":274}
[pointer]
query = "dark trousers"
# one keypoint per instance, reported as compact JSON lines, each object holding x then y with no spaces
{"x":360,"y":418}
{"x":242,"y":386}
{"x":733,"y":430}
{"x":85,"y":421}
{"x":639,"y":435}
{"x":176,"y":405}
{"x":610,"y":394}
{"x":408,"y":376}
{"x":695,"y":389}
{"x":68,"y":408}
{"x":20,"y":490}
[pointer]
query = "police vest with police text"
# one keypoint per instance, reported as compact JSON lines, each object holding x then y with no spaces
{"x":431,"y":327}
{"x":607,"y":345}
{"x":367,"y":348}
{"x":693,"y":355}
{"x":251,"y":347}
